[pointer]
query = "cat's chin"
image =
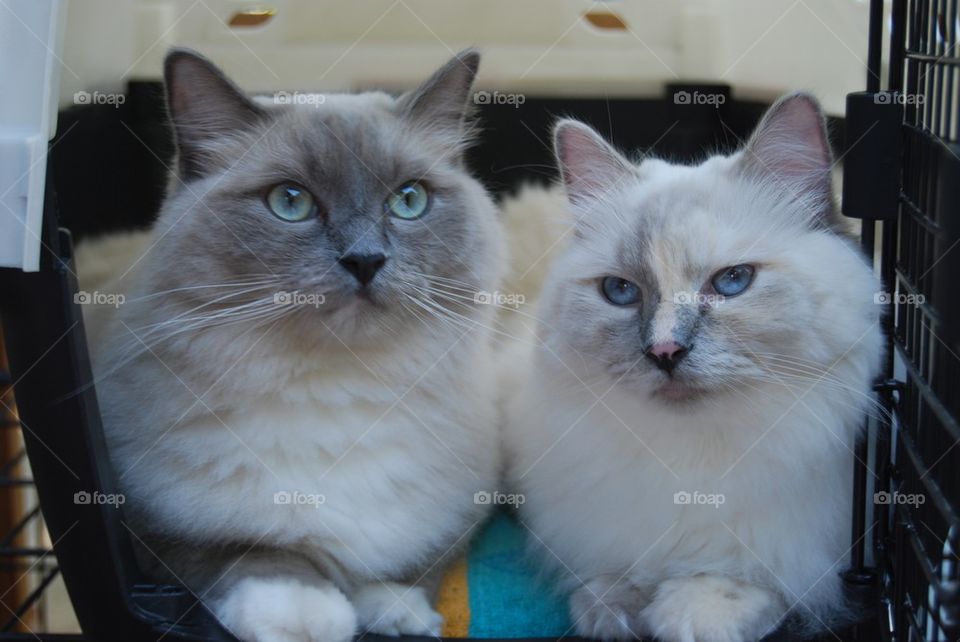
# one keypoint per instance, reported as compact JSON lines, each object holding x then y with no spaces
{"x":676,"y":392}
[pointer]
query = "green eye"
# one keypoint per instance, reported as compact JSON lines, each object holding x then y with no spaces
{"x":291,"y":202}
{"x":408,"y":202}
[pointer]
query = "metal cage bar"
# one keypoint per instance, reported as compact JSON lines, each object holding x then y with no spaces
{"x":917,"y":544}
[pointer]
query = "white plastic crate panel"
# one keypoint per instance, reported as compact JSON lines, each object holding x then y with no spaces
{"x":30,"y":68}
{"x":545,"y":47}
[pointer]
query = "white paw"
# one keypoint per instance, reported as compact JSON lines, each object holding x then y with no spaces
{"x":389,"y":608}
{"x":709,"y":608}
{"x":608,"y":608}
{"x":285,"y":610}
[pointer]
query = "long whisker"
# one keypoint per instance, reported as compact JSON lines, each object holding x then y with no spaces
{"x":431,"y":296}
{"x":204,"y":286}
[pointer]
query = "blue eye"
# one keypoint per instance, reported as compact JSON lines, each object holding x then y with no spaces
{"x":619,"y":291}
{"x":733,"y":280}
{"x":408,"y":202}
{"x":291,"y":202}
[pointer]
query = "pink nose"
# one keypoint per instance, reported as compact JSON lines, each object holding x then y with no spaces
{"x":664,"y":350}
{"x":666,"y":355}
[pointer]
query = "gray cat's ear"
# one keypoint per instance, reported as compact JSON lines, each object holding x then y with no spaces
{"x":589,"y":165}
{"x":441,"y":104}
{"x":204,"y":107}
{"x":791,"y":148}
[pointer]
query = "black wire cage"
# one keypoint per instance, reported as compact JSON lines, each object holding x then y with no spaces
{"x":901,"y":158}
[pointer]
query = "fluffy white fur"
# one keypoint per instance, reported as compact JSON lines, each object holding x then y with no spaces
{"x":375,"y":420}
{"x":283,"y":610}
{"x":766,"y":416}
{"x":397,"y":452}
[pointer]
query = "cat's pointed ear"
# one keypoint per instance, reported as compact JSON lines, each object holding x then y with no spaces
{"x":791,"y":148}
{"x":204,"y":107}
{"x":441,"y":104}
{"x":589,"y":165}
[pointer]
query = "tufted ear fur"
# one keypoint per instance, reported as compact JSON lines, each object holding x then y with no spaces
{"x":204,"y":106}
{"x":441,"y":104}
{"x":589,"y":165}
{"x":790,"y":148}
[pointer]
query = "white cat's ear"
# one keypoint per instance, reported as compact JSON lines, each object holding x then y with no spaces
{"x":790,"y":147}
{"x":442,"y":103}
{"x":204,"y":107}
{"x":589,"y":165}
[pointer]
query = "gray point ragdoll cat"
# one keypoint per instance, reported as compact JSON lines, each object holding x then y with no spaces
{"x":709,"y":340}
{"x":298,"y":405}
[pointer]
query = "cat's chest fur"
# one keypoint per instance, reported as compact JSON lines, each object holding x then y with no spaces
{"x":339,"y":456}
{"x":662,"y":492}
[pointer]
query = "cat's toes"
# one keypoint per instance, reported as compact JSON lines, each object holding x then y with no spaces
{"x":388,"y":608}
{"x":285,"y":610}
{"x":607,"y":609}
{"x":707,"y":608}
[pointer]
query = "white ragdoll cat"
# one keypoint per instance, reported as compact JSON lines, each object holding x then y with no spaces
{"x":298,"y":409}
{"x":684,"y":437}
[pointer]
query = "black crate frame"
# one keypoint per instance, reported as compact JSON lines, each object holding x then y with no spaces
{"x":916,"y":547}
{"x":910,"y":450}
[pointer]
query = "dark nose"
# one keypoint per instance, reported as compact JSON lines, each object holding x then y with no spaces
{"x":666,"y":355}
{"x":363,"y":266}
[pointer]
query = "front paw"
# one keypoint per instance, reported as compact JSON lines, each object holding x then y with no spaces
{"x":608,"y":608}
{"x":395,"y":609}
{"x":285,"y":610}
{"x":710,"y":608}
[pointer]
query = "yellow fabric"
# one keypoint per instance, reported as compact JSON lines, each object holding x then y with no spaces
{"x":453,"y":601}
